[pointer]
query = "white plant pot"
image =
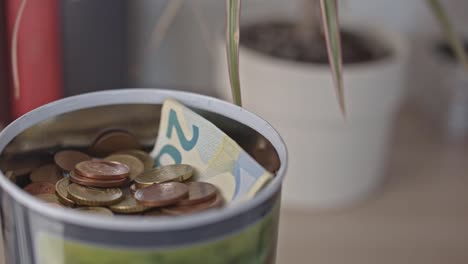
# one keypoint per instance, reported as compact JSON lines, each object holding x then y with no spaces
{"x":334,"y":162}
{"x":442,"y":89}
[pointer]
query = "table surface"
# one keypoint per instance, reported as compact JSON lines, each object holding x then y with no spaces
{"x":420,"y":215}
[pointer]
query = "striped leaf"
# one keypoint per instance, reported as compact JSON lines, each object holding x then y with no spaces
{"x":331,"y":29}
{"x":232,"y":47}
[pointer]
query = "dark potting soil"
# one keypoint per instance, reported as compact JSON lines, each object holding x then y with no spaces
{"x":281,"y":40}
{"x":446,"y":50}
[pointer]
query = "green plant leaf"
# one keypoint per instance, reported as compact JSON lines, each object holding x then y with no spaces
{"x":332,"y":37}
{"x":449,"y":31}
{"x":232,"y":47}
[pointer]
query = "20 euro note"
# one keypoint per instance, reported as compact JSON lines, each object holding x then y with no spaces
{"x":188,"y":138}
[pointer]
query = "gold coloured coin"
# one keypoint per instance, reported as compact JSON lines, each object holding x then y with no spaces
{"x":95,"y":210}
{"x":47,"y":173}
{"x":169,"y":173}
{"x":144,"y":157}
{"x":49,"y":198}
{"x":90,"y":196}
{"x":61,"y":190}
{"x":128,"y":206}
{"x":134,"y":164}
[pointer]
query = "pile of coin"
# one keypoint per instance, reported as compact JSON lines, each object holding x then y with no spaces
{"x":117,"y":177}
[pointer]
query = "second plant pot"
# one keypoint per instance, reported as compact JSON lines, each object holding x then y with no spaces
{"x":441,"y":89}
{"x":334,"y":161}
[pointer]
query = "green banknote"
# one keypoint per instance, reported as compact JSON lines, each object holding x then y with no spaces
{"x":186,"y":137}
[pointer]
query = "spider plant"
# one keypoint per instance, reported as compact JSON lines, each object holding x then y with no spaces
{"x":331,"y":33}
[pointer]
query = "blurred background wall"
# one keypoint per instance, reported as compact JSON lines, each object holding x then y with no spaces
{"x":105,"y":42}
{"x":183,"y":59}
{"x":95,"y":45}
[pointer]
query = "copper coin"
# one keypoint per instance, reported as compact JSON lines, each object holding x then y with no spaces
{"x":76,"y":178}
{"x":265,"y":154}
{"x":144,"y":157}
{"x":134,"y":164}
{"x":37,"y":188}
{"x":47,"y":173}
{"x":199,"y":192}
{"x":215,"y":202}
{"x":163,"y":194}
{"x":114,"y":141}
{"x":102,"y":170}
{"x":67,"y":159}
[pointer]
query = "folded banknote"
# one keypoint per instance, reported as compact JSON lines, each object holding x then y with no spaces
{"x":188,"y":138}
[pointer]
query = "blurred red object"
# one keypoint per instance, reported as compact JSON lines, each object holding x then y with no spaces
{"x":4,"y":97}
{"x":34,"y":53}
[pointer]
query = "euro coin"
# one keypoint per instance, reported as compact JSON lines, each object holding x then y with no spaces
{"x":215,"y":202}
{"x":67,"y":159}
{"x":102,"y":170}
{"x":61,"y":190}
{"x":144,"y":157}
{"x":163,"y":194}
{"x":76,"y":178}
{"x":128,"y":206}
{"x":199,"y":192}
{"x":37,"y":188}
{"x":112,"y":141}
{"x":134,"y":164}
{"x":50,"y":199}
{"x":46,"y":173}
{"x":169,"y":173}
{"x":90,"y":196}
